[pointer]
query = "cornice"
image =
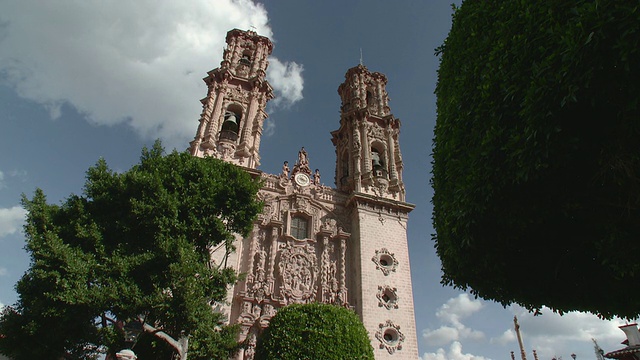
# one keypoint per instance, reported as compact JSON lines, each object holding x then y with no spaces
{"x":368,"y":202}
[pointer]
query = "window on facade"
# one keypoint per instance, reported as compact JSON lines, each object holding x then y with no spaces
{"x":299,"y":227}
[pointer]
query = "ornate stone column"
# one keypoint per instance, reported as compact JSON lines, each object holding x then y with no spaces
{"x":366,"y":147}
{"x":214,"y":119}
{"x":342,"y":281}
{"x":249,"y":120}
{"x":253,"y":245}
{"x":391,"y":153}
{"x":273,"y":250}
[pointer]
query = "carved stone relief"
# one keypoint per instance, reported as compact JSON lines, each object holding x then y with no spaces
{"x":375,"y":131}
{"x":298,"y":271}
{"x":387,"y":297}
{"x":269,"y":211}
{"x":390,"y":337}
{"x":250,"y":350}
{"x":385,"y":261}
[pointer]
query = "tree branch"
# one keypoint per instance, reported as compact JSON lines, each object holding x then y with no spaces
{"x":181,"y":345}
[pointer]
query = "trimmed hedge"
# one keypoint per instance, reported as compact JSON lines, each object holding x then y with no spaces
{"x":314,"y":331}
{"x":536,"y":154}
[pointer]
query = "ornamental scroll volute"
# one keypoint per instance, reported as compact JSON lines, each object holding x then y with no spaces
{"x":298,"y":273}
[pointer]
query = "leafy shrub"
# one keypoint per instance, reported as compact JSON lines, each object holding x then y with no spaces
{"x":314,"y":331}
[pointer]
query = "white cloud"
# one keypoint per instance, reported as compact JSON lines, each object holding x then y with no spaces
{"x":441,"y":336}
{"x":454,"y":353}
{"x":139,"y":62}
{"x":450,"y":314}
{"x":11,"y":220}
{"x":286,"y":78}
{"x":457,"y":308}
{"x":506,"y":337}
{"x":3,"y":271}
{"x":550,"y":333}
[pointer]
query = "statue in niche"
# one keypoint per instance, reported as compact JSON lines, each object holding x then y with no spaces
{"x":261,"y":260}
{"x":332,"y":274}
{"x":246,"y":307}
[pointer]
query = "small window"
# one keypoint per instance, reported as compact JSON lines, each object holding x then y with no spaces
{"x":299,"y":227}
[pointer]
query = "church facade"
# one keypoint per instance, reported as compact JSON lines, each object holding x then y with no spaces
{"x":313,"y":243}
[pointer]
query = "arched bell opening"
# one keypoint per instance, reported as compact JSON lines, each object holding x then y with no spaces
{"x":378,"y":166}
{"x":231,"y":124}
{"x":344,"y":169}
{"x":246,"y":58}
{"x":369,"y":97}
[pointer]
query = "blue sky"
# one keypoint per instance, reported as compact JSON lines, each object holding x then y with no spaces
{"x":91,"y":79}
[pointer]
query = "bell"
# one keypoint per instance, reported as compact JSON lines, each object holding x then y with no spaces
{"x":375,"y":159}
{"x":230,"y":123}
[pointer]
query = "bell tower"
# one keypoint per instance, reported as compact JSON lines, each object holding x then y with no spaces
{"x":369,"y":170}
{"x":233,"y":112}
{"x":369,"y":158}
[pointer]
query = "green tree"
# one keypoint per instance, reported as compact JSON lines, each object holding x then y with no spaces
{"x":134,"y":248}
{"x":536,"y":154}
{"x":314,"y":331}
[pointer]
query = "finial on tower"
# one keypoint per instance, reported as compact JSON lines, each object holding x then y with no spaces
{"x":361,"y":62}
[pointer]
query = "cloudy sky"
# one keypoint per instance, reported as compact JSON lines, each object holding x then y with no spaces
{"x":80,"y":80}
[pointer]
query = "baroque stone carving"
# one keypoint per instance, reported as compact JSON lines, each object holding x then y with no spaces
{"x":330,"y":224}
{"x":385,"y":261}
{"x":387,"y":297}
{"x":376,"y":132}
{"x":298,"y":273}
{"x":268,"y":212}
{"x":390,"y":336}
{"x":250,"y":351}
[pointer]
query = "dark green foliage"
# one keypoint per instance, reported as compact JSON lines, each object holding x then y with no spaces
{"x":314,"y":331}
{"x":536,"y":168}
{"x":134,"y":244}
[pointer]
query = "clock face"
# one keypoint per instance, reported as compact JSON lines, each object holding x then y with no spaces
{"x":302,"y":179}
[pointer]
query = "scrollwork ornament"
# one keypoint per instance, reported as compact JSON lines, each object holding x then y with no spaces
{"x":390,"y":337}
{"x":385,"y":261}
{"x":387,"y":297}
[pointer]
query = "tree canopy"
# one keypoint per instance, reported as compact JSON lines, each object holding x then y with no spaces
{"x":536,"y":154}
{"x":314,"y":331}
{"x":133,"y":248}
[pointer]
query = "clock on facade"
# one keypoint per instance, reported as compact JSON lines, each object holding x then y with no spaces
{"x":302,"y":179}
